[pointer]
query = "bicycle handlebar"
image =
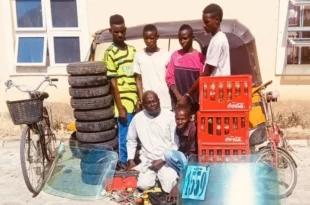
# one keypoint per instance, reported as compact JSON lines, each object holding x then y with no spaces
{"x":9,"y":84}
{"x":267,"y":84}
{"x":262,"y":87}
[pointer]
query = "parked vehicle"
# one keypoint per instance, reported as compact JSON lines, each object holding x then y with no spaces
{"x":240,"y":39}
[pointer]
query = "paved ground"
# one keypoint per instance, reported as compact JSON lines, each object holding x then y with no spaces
{"x":13,"y":191}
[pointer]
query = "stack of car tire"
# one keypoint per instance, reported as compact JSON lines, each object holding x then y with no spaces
{"x":93,"y":107}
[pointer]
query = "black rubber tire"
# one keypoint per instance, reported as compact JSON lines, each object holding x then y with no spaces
{"x":87,"y":81}
{"x":89,"y":92}
{"x":23,"y":158}
{"x":92,"y":179}
{"x":94,"y":115}
{"x":95,"y":168}
{"x":91,"y":103}
{"x":112,"y":143}
{"x":103,"y":136}
{"x":74,"y":146}
{"x":95,"y":126}
{"x":99,"y":157}
{"x":86,"y":68}
{"x":80,"y":150}
{"x":92,"y":168}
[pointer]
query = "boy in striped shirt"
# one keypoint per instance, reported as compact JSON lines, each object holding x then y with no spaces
{"x":118,"y":59}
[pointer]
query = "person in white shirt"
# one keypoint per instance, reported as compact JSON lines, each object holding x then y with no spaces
{"x":218,"y":58}
{"x":150,"y":67}
{"x":155,"y":128}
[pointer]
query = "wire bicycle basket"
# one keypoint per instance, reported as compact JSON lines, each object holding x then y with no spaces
{"x":26,"y":111}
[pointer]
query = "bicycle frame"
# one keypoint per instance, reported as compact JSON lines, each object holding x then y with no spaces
{"x":271,"y":124}
{"x":38,"y":128}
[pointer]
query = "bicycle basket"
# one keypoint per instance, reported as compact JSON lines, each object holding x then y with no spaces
{"x":25,"y":111}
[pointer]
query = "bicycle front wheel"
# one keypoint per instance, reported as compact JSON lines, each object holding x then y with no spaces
{"x":32,"y":159}
{"x":279,"y":182}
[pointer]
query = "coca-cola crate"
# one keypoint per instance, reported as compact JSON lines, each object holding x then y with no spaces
{"x":229,"y":128}
{"x":225,"y":93}
{"x":223,"y":153}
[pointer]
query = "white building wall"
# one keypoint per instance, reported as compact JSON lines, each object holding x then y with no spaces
{"x":265,"y":19}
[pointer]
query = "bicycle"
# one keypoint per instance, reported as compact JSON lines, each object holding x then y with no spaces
{"x":274,"y":151}
{"x":37,"y":139}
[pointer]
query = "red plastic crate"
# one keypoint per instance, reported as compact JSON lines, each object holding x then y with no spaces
{"x":223,"y":153}
{"x":236,"y":94}
{"x":228,"y":128}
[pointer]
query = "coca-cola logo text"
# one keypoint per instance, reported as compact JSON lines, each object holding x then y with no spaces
{"x":233,"y":139}
{"x":235,"y":105}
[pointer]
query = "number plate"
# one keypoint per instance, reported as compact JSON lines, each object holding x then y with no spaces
{"x":195,"y":182}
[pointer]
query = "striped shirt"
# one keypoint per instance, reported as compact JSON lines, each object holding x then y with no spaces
{"x":119,"y":63}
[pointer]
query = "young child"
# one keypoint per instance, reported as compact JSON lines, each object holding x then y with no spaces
{"x":184,"y":68}
{"x":150,"y":67}
{"x":118,"y":59}
{"x":217,"y":58}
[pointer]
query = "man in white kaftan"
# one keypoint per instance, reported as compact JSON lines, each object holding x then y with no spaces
{"x":155,"y":128}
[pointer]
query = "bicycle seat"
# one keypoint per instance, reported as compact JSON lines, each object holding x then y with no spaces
{"x":272,"y":95}
{"x":40,"y":95}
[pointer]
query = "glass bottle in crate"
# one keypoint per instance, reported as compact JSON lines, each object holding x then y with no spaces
{"x":245,"y":88}
{"x":212,"y":92}
{"x":203,"y":157}
{"x":211,"y":155}
{"x":243,"y":155}
{"x":218,"y":126}
{"x":237,"y":88}
{"x":235,"y":155}
{"x":227,"y":155}
{"x":219,"y":155}
{"x":229,"y":91}
{"x":242,"y":122}
{"x":235,"y":123}
{"x":202,"y":126}
{"x":221,"y":93}
{"x":226,"y":126}
{"x":205,"y":86}
{"x":210,"y":126}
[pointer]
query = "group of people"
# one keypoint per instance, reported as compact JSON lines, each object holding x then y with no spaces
{"x":155,"y":94}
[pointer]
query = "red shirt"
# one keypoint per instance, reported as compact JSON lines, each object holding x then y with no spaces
{"x":184,"y":69}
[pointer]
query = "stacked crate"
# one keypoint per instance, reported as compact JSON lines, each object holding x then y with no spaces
{"x":223,"y":118}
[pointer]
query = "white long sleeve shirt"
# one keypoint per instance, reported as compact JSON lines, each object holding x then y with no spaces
{"x":156,"y":134}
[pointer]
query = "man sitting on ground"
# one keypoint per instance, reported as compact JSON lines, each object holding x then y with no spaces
{"x":155,"y":128}
{"x":186,"y":130}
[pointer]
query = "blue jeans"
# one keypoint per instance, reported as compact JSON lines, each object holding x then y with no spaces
{"x":122,"y":135}
{"x":176,"y":160}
